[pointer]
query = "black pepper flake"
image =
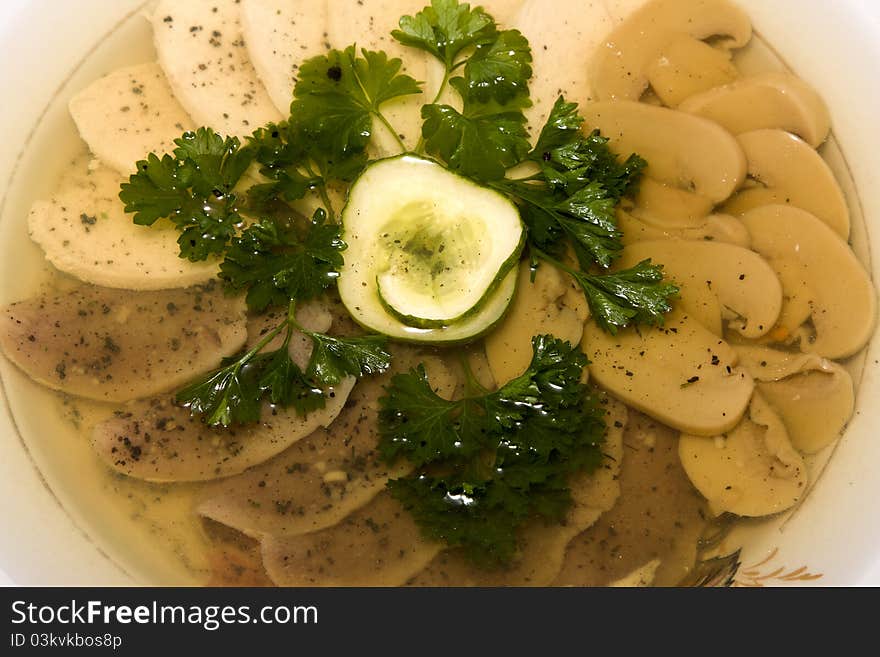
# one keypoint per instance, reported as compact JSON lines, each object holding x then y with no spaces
{"x":334,"y":73}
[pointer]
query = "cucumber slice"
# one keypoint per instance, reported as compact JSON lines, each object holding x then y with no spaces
{"x":430,"y":254}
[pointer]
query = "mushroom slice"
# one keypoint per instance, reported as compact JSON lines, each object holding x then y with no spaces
{"x":621,"y":66}
{"x":682,"y":374}
{"x":750,"y":471}
{"x":115,"y":345}
{"x":157,"y":440}
{"x":815,"y":397}
{"x":85,"y":232}
{"x":670,"y":207}
{"x":328,"y":475}
{"x":378,"y":545}
{"x":543,"y":547}
{"x":769,"y":100}
{"x":549,"y":304}
{"x":748,"y":291}
{"x":280,"y":34}
{"x":564,"y":38}
{"x":682,"y":150}
{"x":687,"y":66}
{"x":842,"y":298}
{"x":127,"y":114}
{"x":790,"y":173}
{"x":715,"y":228}
{"x":202,"y":51}
{"x":369,"y":24}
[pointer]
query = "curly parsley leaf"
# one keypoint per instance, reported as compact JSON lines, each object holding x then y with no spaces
{"x":194,"y":189}
{"x":234,"y":393}
{"x":339,"y":93}
{"x":229,"y":395}
{"x":499,"y":70}
{"x":477,"y":143}
{"x":335,"y":358}
{"x":277,"y":263}
{"x":488,"y":135}
{"x":445,"y":29}
{"x":638,"y":295}
{"x":508,"y":454}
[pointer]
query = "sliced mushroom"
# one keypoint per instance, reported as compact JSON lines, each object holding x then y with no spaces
{"x":85,"y":232}
{"x":620,"y":67}
{"x":790,"y":173}
{"x":115,"y":345}
{"x":842,"y":298}
{"x":682,"y":374}
{"x":747,"y":289}
{"x":682,"y":150}
{"x":563,"y":38}
{"x":769,"y":100}
{"x":157,"y":440}
{"x":128,"y":114}
{"x":715,"y":228}
{"x":814,"y":396}
{"x":201,"y":50}
{"x":280,"y":35}
{"x":377,"y":545}
{"x":796,"y":299}
{"x":542,"y":547}
{"x":750,"y":471}
{"x":687,"y":66}
{"x":551,"y":304}
{"x":328,"y":475}
{"x":670,"y":207}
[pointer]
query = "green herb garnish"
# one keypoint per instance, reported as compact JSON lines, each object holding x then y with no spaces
{"x":192,"y":188}
{"x":488,"y":463}
{"x":233,"y":394}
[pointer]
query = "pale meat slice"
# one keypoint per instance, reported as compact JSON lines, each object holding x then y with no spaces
{"x":85,"y":232}
{"x":327,"y":476}
{"x":280,"y":35}
{"x":202,"y":51}
{"x":369,"y":23}
{"x":128,"y":114}
{"x":543,"y":546}
{"x":115,"y":346}
{"x":659,"y":516}
{"x":640,"y":577}
{"x":564,"y":39}
{"x":378,"y":545}
{"x":158,"y":440}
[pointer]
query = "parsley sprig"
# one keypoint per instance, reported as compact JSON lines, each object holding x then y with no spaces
{"x":194,"y":189}
{"x":488,"y":463}
{"x":335,"y":100}
{"x":278,"y":261}
{"x":234,"y":393}
{"x":488,"y":135}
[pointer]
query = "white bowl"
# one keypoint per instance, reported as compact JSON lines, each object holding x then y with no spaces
{"x":833,"y":538}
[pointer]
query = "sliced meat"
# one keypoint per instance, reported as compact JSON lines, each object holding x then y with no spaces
{"x":116,"y":345}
